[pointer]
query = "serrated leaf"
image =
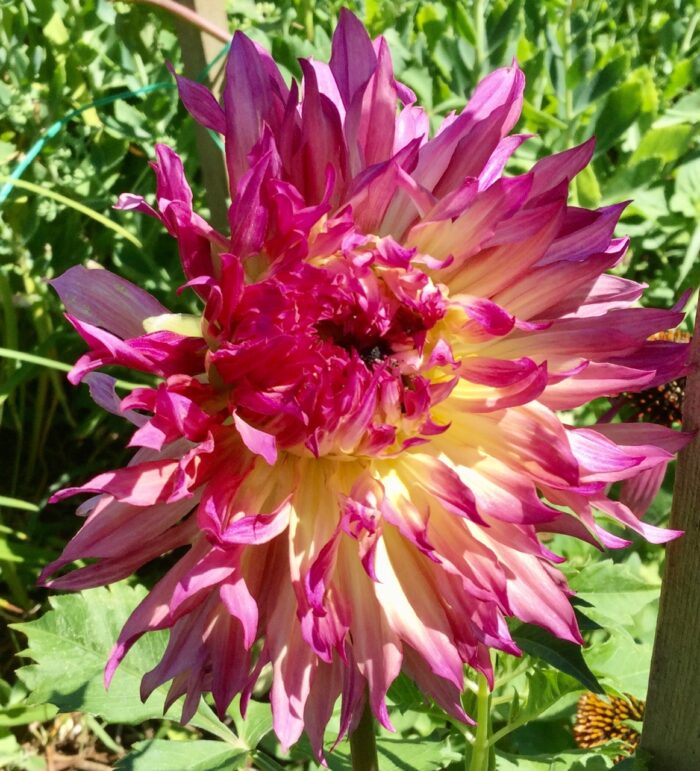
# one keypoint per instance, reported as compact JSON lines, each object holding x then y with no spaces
{"x":622,"y":663}
{"x":200,"y":755}
{"x":545,"y":688}
{"x":405,"y":695}
{"x":585,"y":624}
{"x":561,"y":654}
{"x":614,"y":593}
{"x":70,"y":645}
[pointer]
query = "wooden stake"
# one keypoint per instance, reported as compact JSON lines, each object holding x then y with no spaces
{"x":671,"y":734}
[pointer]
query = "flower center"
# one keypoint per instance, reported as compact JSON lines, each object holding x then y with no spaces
{"x":333,"y":357}
{"x":371,"y":351}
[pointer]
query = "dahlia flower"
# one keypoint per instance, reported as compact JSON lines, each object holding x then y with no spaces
{"x":357,"y":438}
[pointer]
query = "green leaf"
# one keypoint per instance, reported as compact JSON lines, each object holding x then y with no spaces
{"x":685,"y":110}
{"x":587,"y":188}
{"x":7,"y":150}
{"x":630,"y":182}
{"x":567,"y":761}
{"x":505,"y":27}
{"x":680,"y":78}
{"x":14,"y":756}
{"x":537,"y":117}
{"x":619,"y":112}
{"x":613,"y":72}
{"x":23,"y":714}
{"x":17,"y":503}
{"x":256,"y":724}
{"x":690,"y":258}
{"x":69,"y":202}
{"x":546,"y":690}
{"x":56,"y":32}
{"x":200,"y":755}
{"x":264,"y":762}
{"x":622,"y":663}
{"x":405,"y":695}
{"x":399,"y":754}
{"x":70,"y":645}
{"x":564,"y":656}
{"x":686,"y":197}
{"x":614,"y":592}
{"x":668,"y":143}
{"x":650,"y":96}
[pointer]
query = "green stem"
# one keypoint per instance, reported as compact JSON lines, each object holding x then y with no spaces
{"x":42,"y":361}
{"x":363,"y":745}
{"x":503,"y":680}
{"x":307,"y":11}
{"x":688,"y":37}
{"x":480,"y":36}
{"x":566,"y":64}
{"x":480,"y":748}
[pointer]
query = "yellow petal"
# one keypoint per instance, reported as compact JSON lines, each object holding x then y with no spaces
{"x":185,"y":324}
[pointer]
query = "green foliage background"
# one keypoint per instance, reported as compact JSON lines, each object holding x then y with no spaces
{"x":624,"y":71}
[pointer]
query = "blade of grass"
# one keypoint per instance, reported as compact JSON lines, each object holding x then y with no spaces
{"x":17,"y":503}
{"x":86,"y":210}
{"x":42,"y":361}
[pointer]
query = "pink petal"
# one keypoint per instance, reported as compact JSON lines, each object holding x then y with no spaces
{"x":638,"y":492}
{"x":106,"y":300}
{"x":257,"y":441}
{"x":200,"y":103}
{"x":142,"y":485}
{"x":352,"y":58}
{"x":240,"y":603}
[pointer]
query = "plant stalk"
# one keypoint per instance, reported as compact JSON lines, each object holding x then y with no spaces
{"x":307,"y":13}
{"x":480,"y":748}
{"x":363,"y":744}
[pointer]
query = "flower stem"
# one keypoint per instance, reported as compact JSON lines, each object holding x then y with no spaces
{"x":363,"y":745}
{"x":307,"y":12}
{"x":480,"y":748}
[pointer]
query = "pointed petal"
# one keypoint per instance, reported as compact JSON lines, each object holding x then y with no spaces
{"x":106,"y":300}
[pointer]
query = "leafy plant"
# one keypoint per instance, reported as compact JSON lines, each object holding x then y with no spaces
{"x":84,"y":96}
